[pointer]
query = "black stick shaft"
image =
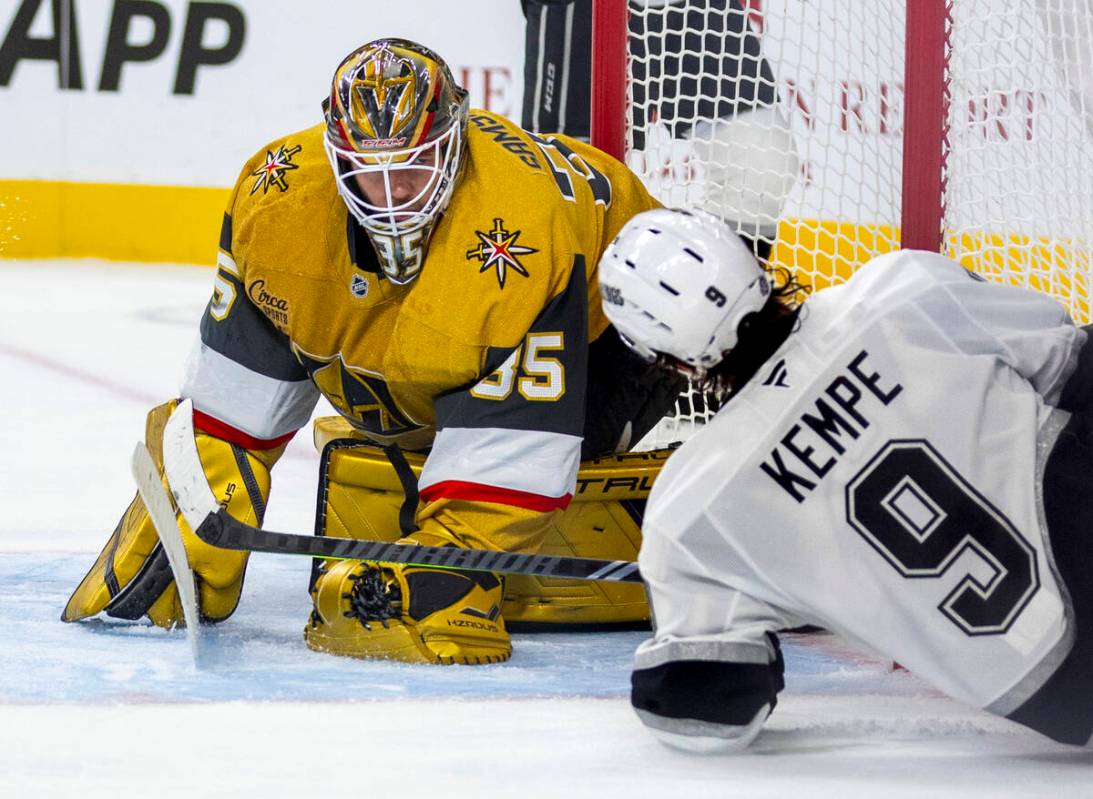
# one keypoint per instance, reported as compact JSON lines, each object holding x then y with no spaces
{"x":221,"y":530}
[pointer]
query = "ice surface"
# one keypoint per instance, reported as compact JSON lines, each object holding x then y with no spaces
{"x":115,"y":709}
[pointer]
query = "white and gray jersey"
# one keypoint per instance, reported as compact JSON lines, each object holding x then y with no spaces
{"x":879,"y":477}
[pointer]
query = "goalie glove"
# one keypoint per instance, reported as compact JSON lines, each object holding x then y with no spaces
{"x":132,"y":578}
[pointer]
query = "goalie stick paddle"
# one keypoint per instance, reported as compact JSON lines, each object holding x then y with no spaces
{"x":216,"y":527}
{"x":162,"y":515}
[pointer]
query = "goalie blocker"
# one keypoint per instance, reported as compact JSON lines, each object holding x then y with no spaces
{"x":363,"y":492}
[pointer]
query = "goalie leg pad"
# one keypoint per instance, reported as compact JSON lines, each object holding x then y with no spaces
{"x":360,"y":497}
{"x":593,"y":529}
{"x":131,"y":576}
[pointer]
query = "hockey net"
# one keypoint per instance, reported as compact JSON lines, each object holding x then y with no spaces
{"x":839,"y":130}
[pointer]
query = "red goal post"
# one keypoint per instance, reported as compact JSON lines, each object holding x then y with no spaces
{"x":837,"y":130}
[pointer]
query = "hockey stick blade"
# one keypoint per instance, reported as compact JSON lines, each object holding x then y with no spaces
{"x":214,"y":526}
{"x":162,"y":515}
{"x":222,"y":530}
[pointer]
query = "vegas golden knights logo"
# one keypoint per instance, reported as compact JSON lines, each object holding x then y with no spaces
{"x":497,"y":250}
{"x":360,"y":396}
{"x":384,"y":98}
{"x":272,"y":172}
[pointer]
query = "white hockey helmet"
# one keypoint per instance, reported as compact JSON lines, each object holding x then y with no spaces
{"x":679,"y":283}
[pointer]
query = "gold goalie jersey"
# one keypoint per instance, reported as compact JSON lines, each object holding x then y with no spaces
{"x":482,"y":360}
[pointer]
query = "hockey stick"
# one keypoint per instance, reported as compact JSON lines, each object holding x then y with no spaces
{"x":221,"y":530}
{"x":213,"y":525}
{"x":151,"y":490}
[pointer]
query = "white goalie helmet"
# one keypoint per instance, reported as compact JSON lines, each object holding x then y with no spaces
{"x":679,"y":283}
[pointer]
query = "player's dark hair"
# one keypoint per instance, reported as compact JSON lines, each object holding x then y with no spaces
{"x":760,"y":334}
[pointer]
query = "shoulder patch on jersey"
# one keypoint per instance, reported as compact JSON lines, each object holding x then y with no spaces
{"x":275,"y":308}
{"x":498,"y":249}
{"x":272,"y":172}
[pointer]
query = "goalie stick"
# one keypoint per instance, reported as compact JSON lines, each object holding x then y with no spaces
{"x":150,"y":488}
{"x":216,"y":527}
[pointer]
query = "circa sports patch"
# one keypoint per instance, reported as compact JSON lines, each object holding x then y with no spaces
{"x":498,"y":249}
{"x":274,"y":307}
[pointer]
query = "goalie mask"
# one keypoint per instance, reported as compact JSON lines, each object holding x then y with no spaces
{"x":395,"y":131}
{"x":679,"y":283}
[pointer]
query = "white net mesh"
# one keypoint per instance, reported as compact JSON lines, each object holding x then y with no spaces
{"x":1019,"y":171}
{"x":786,"y":117}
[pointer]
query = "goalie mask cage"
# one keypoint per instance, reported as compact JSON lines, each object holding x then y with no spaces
{"x":838,"y":130}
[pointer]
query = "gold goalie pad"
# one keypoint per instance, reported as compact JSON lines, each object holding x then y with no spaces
{"x":131,"y":577}
{"x":360,"y":496}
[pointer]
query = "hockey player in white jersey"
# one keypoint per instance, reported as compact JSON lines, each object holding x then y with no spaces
{"x":905,"y":461}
